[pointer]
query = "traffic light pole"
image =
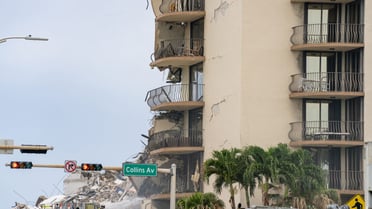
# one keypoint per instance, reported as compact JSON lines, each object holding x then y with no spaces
{"x":43,"y":166}
{"x":172,"y":172}
{"x":63,"y":166}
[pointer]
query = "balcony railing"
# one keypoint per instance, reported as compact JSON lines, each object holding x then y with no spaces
{"x":175,"y":138}
{"x":327,"y":33}
{"x":345,"y":180}
{"x":179,"y":47}
{"x":327,"y":82}
{"x":326,"y":130}
{"x":174,"y":93}
{"x":168,"y":6}
{"x":184,"y":185}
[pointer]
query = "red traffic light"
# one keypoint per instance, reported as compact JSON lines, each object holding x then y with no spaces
{"x":20,"y":165}
{"x":91,"y":167}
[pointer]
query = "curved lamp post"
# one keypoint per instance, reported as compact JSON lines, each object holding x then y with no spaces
{"x":29,"y":38}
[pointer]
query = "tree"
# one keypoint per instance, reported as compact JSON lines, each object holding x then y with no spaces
{"x":297,"y":172}
{"x":281,"y":170}
{"x":254,"y":168}
{"x":309,"y":179}
{"x":225,"y":167}
{"x":294,"y":172}
{"x":201,"y":201}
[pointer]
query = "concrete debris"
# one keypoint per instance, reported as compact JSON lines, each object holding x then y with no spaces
{"x":96,"y":190}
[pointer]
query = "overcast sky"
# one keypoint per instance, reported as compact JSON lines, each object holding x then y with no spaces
{"x":81,"y":92}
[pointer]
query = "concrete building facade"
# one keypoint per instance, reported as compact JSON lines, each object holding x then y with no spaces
{"x":263,"y":72}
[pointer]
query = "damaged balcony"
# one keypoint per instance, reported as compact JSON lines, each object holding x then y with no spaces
{"x":327,"y":85}
{"x":190,"y":11}
{"x":326,"y":134}
{"x":178,"y":10}
{"x":184,"y":188}
{"x":176,"y":142}
{"x":178,"y":53}
{"x":327,"y":37}
{"x":177,"y":97}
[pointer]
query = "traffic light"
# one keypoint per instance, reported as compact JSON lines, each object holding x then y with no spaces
{"x":91,"y":167}
{"x":20,"y":165}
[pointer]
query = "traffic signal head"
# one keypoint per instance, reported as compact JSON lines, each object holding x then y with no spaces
{"x":91,"y":167}
{"x":20,"y":165}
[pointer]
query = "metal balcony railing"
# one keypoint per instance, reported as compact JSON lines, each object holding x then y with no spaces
{"x":326,"y":130}
{"x":175,"y":138}
{"x":174,"y":93}
{"x":327,"y":82}
{"x":168,"y":6}
{"x":327,"y":33}
{"x":184,"y":185}
{"x":345,"y":180}
{"x":179,"y":47}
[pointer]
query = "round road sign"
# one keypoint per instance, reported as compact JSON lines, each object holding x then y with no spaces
{"x":70,"y":166}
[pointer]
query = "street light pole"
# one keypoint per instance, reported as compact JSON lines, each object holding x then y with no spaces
{"x":28,"y":38}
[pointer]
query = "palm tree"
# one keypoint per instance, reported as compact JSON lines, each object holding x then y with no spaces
{"x":296,"y":170}
{"x":200,"y":200}
{"x":281,"y":169}
{"x":254,"y":169}
{"x":225,"y":167}
{"x":293,"y":171}
{"x":309,"y":179}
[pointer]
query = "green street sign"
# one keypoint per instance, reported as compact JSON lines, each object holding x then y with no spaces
{"x":132,"y":169}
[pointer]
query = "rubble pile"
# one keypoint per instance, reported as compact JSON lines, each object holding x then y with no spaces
{"x":109,"y":186}
{"x":94,"y":190}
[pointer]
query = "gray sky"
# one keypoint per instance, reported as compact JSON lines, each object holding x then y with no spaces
{"x":81,"y":92}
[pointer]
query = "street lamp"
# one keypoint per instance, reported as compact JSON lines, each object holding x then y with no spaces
{"x":29,"y":38}
{"x":7,"y":147}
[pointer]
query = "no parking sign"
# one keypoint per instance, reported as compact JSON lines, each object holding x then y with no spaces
{"x":70,"y":166}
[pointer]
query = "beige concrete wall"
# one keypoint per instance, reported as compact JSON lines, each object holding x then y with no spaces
{"x":222,"y":41}
{"x":267,"y":64}
{"x":247,"y":74}
{"x":368,"y":99}
{"x":367,"y":69}
{"x":223,"y":35}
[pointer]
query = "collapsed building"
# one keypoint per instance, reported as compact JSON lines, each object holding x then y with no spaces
{"x":91,"y":190}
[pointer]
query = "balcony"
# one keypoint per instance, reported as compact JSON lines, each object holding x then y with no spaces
{"x":323,"y":1}
{"x":176,"y":142}
{"x":327,"y":37}
{"x":325,"y":85}
{"x":184,"y":188}
{"x":326,"y":134}
{"x":347,"y":182}
{"x":177,"y":11}
{"x":178,"y":53}
{"x":179,"y":97}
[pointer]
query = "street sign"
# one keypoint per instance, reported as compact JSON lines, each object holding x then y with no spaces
{"x":132,"y":169}
{"x":356,"y":202}
{"x":70,"y":166}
